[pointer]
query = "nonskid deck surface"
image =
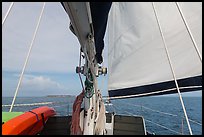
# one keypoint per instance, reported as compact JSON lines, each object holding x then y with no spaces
{"x":57,"y":125}
{"x":128,"y":125}
{"x":123,"y":125}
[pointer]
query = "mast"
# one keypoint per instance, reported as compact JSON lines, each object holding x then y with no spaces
{"x":82,"y":26}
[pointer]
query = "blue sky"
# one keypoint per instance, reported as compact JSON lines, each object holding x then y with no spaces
{"x":55,"y":53}
{"x":54,"y":57}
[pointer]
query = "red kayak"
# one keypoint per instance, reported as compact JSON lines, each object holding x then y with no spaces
{"x":28,"y":123}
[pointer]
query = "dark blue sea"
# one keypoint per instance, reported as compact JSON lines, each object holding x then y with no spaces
{"x":162,"y":115}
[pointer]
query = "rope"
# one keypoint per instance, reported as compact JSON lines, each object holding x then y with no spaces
{"x":89,"y":92}
{"x":172,"y":70}
{"x":31,"y":45}
{"x":89,"y":64}
{"x":89,"y":79}
{"x":34,"y":114}
{"x":90,"y":84}
{"x":89,"y":89}
{"x":7,"y":13}
{"x":189,"y":32}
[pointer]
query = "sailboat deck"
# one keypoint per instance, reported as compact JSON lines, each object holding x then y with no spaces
{"x":123,"y":125}
{"x":128,"y":125}
{"x":57,"y":125}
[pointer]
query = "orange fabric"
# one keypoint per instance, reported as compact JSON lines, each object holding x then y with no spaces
{"x":28,"y":123}
{"x":75,"y":127}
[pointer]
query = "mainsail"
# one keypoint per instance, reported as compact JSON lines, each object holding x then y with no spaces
{"x":138,"y":62}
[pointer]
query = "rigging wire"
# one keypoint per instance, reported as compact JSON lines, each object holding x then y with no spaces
{"x":116,"y":108}
{"x":91,"y":90}
{"x":38,"y":103}
{"x":162,"y":126}
{"x":189,"y":31}
{"x":7,"y":13}
{"x":172,"y":69}
{"x":155,"y":123}
{"x":79,"y":72}
{"x":31,"y":104}
{"x":25,"y":64}
{"x":149,"y":120}
{"x":154,"y":110}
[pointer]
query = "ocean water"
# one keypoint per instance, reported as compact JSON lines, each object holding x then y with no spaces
{"x":162,"y":115}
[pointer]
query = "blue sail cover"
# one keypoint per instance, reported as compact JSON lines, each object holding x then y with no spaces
{"x":99,"y":15}
{"x":186,"y":85}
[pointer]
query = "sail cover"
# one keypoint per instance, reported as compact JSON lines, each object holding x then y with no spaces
{"x":138,"y":62}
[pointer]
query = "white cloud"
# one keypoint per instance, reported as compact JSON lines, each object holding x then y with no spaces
{"x":39,"y":86}
{"x":41,"y":83}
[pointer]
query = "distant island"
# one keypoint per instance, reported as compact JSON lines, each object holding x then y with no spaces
{"x":60,"y":96}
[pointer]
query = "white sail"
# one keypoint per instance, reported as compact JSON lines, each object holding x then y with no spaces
{"x":137,"y":58}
